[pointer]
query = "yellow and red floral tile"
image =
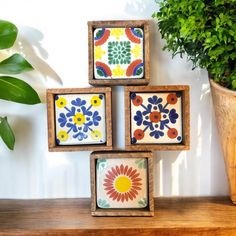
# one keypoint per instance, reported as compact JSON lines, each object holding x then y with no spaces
{"x":156,"y":117}
{"x":118,"y":53}
{"x":80,"y":119}
{"x":122,"y":183}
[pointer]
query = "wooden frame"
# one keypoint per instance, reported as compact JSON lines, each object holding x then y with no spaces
{"x":185,"y":143}
{"x":145,"y":25}
{"x":52,"y":145}
{"x":147,"y":211}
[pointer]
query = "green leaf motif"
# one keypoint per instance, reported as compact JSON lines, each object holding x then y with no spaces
{"x":142,"y":163}
{"x":103,"y":203}
{"x":142,"y":202}
{"x":138,"y":32}
{"x":101,"y":164}
{"x":6,"y":133}
{"x":8,"y":34}
{"x":16,"y":90}
{"x":14,"y":65}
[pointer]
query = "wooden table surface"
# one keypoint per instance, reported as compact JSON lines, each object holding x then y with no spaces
{"x":173,"y":217}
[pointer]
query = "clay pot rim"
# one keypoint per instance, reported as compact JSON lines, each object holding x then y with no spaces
{"x":222,"y":89}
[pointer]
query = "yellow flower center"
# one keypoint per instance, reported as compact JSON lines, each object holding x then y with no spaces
{"x":122,"y":184}
{"x":79,"y":118}
{"x":95,"y":101}
{"x":62,"y":135}
{"x":96,"y":135}
{"x":61,"y":102}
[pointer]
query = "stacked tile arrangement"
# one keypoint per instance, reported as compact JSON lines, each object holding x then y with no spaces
{"x":156,"y":118}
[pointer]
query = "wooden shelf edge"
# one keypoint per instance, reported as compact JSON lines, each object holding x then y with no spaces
{"x":173,"y":216}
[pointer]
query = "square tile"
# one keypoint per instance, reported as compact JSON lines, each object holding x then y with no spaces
{"x":80,"y":119}
{"x":156,"y":117}
{"x":118,"y":53}
{"x":121,"y":183}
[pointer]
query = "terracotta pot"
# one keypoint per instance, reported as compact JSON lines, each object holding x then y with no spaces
{"x":225,"y":109}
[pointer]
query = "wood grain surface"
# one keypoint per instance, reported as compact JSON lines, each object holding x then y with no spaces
{"x":173,"y":217}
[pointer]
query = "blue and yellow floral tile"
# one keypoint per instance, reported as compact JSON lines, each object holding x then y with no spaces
{"x":122,"y":183}
{"x":80,"y":119}
{"x":156,"y":118}
{"x":118,"y":53}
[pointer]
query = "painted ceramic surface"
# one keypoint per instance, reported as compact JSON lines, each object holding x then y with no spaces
{"x":156,"y":117}
{"x":80,"y":119}
{"x":118,"y":53}
{"x":122,"y":183}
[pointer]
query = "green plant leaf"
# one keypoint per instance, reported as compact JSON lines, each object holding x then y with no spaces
{"x":234,"y":84}
{"x":204,"y":31}
{"x":8,"y":34}
{"x":14,"y":65}
{"x":16,"y":90}
{"x":6,"y":133}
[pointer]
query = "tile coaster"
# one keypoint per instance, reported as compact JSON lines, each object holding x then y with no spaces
{"x":121,"y":183}
{"x":80,"y":119}
{"x":118,"y":53}
{"x":156,"y":117}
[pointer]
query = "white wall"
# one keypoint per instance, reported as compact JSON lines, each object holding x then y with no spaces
{"x":53,"y":37}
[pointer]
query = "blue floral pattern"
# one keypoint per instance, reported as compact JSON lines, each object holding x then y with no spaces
{"x":156,"y":117}
{"x":80,"y":119}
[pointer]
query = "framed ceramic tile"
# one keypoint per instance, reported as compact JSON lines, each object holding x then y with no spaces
{"x":79,"y":119}
{"x":119,"y":52}
{"x":157,"y":117}
{"x":122,"y":183}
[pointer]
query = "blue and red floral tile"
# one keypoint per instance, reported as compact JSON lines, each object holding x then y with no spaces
{"x":80,"y":119}
{"x":156,"y":118}
{"x":118,"y":53}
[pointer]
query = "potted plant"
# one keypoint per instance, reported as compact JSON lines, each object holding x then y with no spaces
{"x":205,"y":30}
{"x":11,"y":88}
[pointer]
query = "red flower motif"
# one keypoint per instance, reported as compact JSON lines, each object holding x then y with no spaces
{"x":139,"y":134}
{"x":172,"y":98}
{"x":122,"y":183}
{"x":137,"y":101}
{"x":155,"y":116}
{"x":172,"y":133}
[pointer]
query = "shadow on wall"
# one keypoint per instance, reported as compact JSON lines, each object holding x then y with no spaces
{"x":188,"y":172}
{"x":29,"y":44}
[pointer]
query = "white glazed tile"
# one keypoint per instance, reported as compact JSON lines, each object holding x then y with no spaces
{"x":80,"y":119}
{"x":122,"y":183}
{"x":156,"y":117}
{"x":118,"y":53}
